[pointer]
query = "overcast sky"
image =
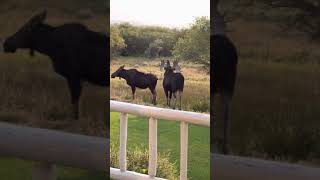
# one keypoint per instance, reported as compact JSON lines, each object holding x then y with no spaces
{"x":172,"y":13}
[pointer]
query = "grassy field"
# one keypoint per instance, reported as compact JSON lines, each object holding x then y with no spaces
{"x":36,"y":96}
{"x":196,"y":97}
{"x":275,"y":109}
{"x":168,"y":142}
{"x":33,"y":95}
{"x":22,"y":170}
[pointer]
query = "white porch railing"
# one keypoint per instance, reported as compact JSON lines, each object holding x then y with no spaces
{"x":49,"y":147}
{"x":154,"y":113}
{"x":245,"y":168}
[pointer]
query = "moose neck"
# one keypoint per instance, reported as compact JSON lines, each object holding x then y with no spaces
{"x":41,"y":42}
{"x":167,"y":72}
{"x":219,"y":25}
{"x":124,"y":74}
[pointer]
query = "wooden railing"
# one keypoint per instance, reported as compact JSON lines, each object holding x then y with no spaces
{"x":244,"y":168}
{"x":153,"y":113}
{"x":48,"y":148}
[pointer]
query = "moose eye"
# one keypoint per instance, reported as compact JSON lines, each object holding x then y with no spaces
{"x":29,"y":28}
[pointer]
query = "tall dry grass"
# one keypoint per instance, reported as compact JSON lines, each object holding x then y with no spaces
{"x":33,"y":94}
{"x":275,"y":111}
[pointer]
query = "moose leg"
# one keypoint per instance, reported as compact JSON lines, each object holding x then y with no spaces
{"x":154,"y":96}
{"x":166,"y":92}
{"x":75,"y":92}
{"x":170,"y":95}
{"x":180,"y":96}
{"x":212,"y":123}
{"x":175,"y":99}
{"x":133,"y":91}
{"x":226,"y":99}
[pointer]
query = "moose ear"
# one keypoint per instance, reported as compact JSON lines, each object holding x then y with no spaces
{"x":42,"y":15}
{"x":38,"y":18}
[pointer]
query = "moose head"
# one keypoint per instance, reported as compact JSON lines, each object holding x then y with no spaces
{"x":118,"y":72}
{"x":161,"y":65}
{"x":167,"y":67}
{"x":23,"y":38}
{"x":176,"y":66}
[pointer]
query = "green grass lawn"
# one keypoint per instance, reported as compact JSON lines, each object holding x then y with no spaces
{"x":169,"y":142}
{"x":16,"y":169}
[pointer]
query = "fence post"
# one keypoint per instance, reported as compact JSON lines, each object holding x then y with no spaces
{"x":152,"y":168}
{"x":183,"y":150}
{"x":123,"y":141}
{"x":44,"y":170}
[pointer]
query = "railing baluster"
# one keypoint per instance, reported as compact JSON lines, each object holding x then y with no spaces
{"x":183,"y":150}
{"x":154,"y":113}
{"x":152,"y":169}
{"x":123,"y":141}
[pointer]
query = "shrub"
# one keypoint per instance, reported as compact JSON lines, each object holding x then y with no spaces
{"x":137,"y":160}
{"x":200,"y":106}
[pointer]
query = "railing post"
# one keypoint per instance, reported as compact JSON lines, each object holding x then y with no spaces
{"x":183,"y":150}
{"x":152,"y":168}
{"x":44,"y":170}
{"x":123,"y":141}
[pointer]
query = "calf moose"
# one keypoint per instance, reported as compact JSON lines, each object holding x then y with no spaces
{"x":172,"y":83}
{"x":77,"y":53}
{"x":138,"y":79}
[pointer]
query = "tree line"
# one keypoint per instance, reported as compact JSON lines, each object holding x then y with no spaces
{"x":192,"y":43}
{"x":301,"y":15}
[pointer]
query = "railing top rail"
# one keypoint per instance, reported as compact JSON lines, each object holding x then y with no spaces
{"x":75,"y":150}
{"x":161,"y":113}
{"x":129,"y":175}
{"x":251,"y":168}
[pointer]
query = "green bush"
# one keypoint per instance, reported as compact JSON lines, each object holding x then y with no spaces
{"x":200,"y":106}
{"x":137,"y":160}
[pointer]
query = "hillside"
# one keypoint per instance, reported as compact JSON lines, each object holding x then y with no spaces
{"x":93,"y":13}
{"x":261,"y":34}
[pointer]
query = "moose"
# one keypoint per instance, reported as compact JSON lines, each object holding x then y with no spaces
{"x":224,"y":72}
{"x":176,"y":66}
{"x":77,"y":53}
{"x":136,"y":79}
{"x":162,"y":63}
{"x":172,"y":83}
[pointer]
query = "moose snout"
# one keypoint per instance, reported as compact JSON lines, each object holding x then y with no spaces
{"x":7,"y":47}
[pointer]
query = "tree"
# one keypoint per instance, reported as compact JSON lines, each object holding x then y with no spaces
{"x":139,"y":38}
{"x":117,"y":42}
{"x":304,"y":14}
{"x":195,"y":44}
{"x":154,"y":49}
